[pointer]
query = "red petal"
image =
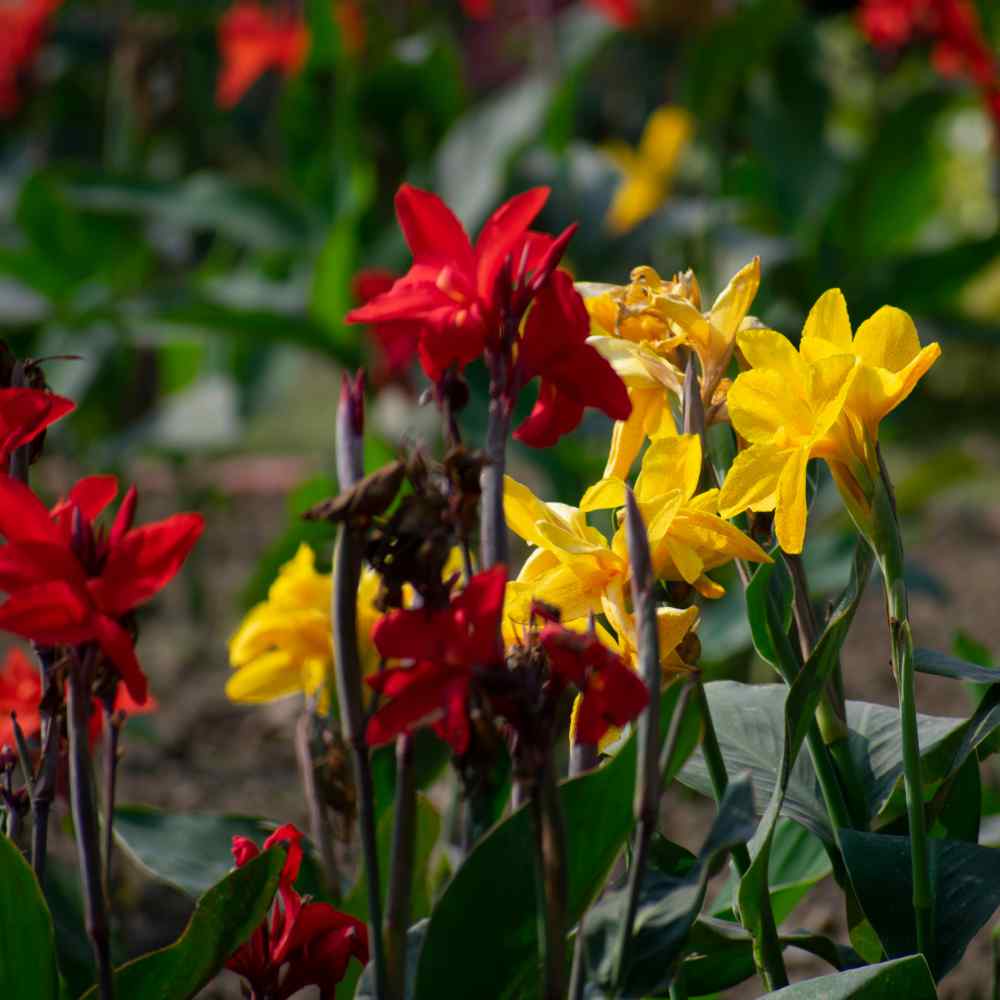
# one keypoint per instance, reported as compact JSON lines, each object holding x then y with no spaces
{"x":419,"y":703}
{"x":291,"y":837}
{"x":503,"y":231}
{"x":23,"y":516}
{"x":454,"y":727}
{"x":117,"y":646}
{"x":244,"y":850}
{"x":25,"y":413}
{"x":432,"y":231}
{"x":50,"y":613}
{"x":402,"y":302}
{"x":91,"y":494}
{"x":477,"y":611}
{"x":411,"y":635}
{"x":27,"y":564}
{"x":552,"y":416}
{"x":144,"y":562}
{"x":556,"y":327}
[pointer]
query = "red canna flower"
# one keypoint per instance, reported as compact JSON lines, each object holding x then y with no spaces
{"x":395,"y":340}
{"x":300,"y":944}
{"x":23,"y":24}
{"x":253,"y":40}
{"x":611,"y":693}
{"x":21,"y":692}
{"x":69,"y":582}
{"x":24,"y":414}
{"x":446,"y":644}
{"x":573,"y":374}
{"x":452,"y":292}
{"x":478,"y":10}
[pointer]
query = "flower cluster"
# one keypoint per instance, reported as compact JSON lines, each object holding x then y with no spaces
{"x":959,"y":48}
{"x":301,"y":943}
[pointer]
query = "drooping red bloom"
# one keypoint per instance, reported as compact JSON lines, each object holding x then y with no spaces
{"x":446,"y":644}
{"x":21,"y":692}
{"x":611,"y":693}
{"x":23,"y":24}
{"x":959,"y":47}
{"x":253,"y":40}
{"x":573,"y":374}
{"x":395,"y":340}
{"x":299,"y":944}
{"x":69,"y":582}
{"x":452,"y":292}
{"x":24,"y":414}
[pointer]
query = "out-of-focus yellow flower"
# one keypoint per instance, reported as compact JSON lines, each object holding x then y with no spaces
{"x":826,"y":401}
{"x":572,"y":566}
{"x":687,"y":538}
{"x":673,"y":625}
{"x":284,"y":644}
{"x":639,"y":327}
{"x":647,"y":172}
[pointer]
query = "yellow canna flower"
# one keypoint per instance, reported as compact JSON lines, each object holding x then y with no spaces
{"x":826,"y":401}
{"x":572,"y":567}
{"x":647,"y":172}
{"x":284,"y":644}
{"x":687,"y":538}
{"x":639,"y":328}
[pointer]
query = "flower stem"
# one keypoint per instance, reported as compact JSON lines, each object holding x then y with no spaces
{"x":112,"y":730}
{"x":550,"y":879}
{"x":319,"y":819}
{"x":397,"y":910}
{"x":493,"y":525}
{"x":583,"y":757}
{"x":773,"y":974}
{"x":45,"y":781}
{"x":85,"y":822}
{"x":344,"y":616}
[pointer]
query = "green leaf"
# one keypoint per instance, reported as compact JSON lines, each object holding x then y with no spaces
{"x":495,"y":954}
{"x":192,"y":851}
{"x":799,"y":861}
{"x":224,"y":918}
{"x":906,"y":977}
{"x":28,"y":967}
{"x":769,"y":611}
{"x":667,"y":908}
{"x":930,"y":661}
{"x":966,"y":892}
{"x":722,"y":954}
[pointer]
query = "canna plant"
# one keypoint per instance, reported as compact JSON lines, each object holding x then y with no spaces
{"x":551,"y":706}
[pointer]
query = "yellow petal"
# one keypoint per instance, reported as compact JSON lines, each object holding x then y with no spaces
{"x":609,"y":492}
{"x":686,"y":316}
{"x":659,"y":513}
{"x":271,"y":676}
{"x":828,"y":320}
{"x":715,"y":539}
{"x":707,"y":587}
{"x":540,"y":561}
{"x":524,"y":512}
{"x":734,"y":301}
{"x":565,"y":544}
{"x":640,"y":194}
{"x":667,"y":132}
{"x":673,"y":625}
{"x":671,"y":463}
{"x":790,"y":514}
{"x":772,"y":350}
{"x":876,"y":391}
{"x":687,"y":561}
{"x":765,"y":407}
{"x":627,"y":436}
{"x":888,"y":339}
{"x":752,"y":480}
{"x":625,"y":357}
{"x":575,"y":589}
{"x":830,"y":382}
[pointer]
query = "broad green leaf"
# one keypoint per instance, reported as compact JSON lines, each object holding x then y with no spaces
{"x":906,"y":977}
{"x":769,"y":611}
{"x":495,"y":954}
{"x":799,"y":861}
{"x":28,"y":967}
{"x":192,"y":851}
{"x":966,"y":892}
{"x":721,"y":954}
{"x":667,"y":908}
{"x":224,"y":918}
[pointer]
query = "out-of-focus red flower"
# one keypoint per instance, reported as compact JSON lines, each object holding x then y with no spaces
{"x":253,"y":40}
{"x":624,"y":13}
{"x":395,"y":340}
{"x":299,"y":944}
{"x":952,"y":26}
{"x":611,"y":693}
{"x":24,"y":414}
{"x":446,"y":644}
{"x":23,"y":24}
{"x":21,"y":692}
{"x":573,"y":374}
{"x":452,"y":292}
{"x":478,"y":10}
{"x":68,"y":581}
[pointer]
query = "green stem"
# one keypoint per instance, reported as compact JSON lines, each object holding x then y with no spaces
{"x":397,"y":910}
{"x":773,"y":974}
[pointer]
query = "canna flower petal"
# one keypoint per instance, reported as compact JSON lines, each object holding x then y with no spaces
{"x":432,"y":231}
{"x":276,"y":674}
{"x":752,"y":480}
{"x":828,"y":321}
{"x":790,"y":514}
{"x":501,"y":234}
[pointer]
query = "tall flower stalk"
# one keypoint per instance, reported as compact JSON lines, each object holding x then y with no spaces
{"x":348,"y":673}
